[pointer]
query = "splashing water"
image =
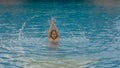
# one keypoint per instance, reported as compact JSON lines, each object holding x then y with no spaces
{"x":23,"y":26}
{"x":89,"y":36}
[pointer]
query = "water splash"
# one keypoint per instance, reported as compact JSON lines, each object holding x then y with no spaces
{"x":23,"y":26}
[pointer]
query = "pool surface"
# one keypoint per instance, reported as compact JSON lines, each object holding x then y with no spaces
{"x":89,"y":35}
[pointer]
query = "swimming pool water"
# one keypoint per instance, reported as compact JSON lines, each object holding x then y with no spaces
{"x":89,"y":35}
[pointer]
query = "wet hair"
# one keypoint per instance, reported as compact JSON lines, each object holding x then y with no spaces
{"x":55,"y":33}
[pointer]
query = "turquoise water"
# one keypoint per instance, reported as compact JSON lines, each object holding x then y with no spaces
{"x":89,"y":35}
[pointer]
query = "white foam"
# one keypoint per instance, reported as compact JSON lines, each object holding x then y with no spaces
{"x":59,"y":63}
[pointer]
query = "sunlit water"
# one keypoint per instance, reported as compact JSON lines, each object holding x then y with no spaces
{"x":89,"y":36}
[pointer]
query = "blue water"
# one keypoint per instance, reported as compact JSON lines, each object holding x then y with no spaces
{"x":89,"y":35}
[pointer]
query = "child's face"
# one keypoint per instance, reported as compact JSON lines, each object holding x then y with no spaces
{"x":54,"y":34}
